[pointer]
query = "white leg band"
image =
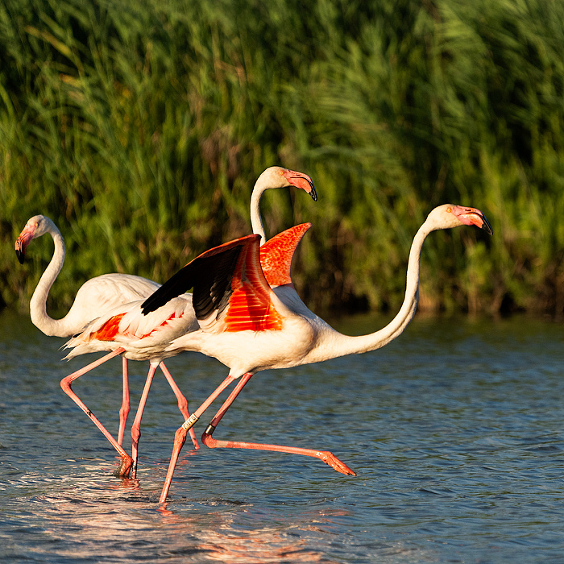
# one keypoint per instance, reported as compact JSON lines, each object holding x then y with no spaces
{"x":190,"y":422}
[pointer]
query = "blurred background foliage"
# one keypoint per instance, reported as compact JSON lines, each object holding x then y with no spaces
{"x":140,"y":127}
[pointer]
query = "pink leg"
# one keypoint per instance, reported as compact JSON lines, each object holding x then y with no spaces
{"x":180,"y":435}
{"x":124,"y":411}
{"x":324,"y":455}
{"x":126,"y":460}
{"x":182,"y":402}
{"x":136,"y":427}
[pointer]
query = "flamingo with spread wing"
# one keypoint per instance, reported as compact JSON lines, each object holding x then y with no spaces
{"x":249,"y":326}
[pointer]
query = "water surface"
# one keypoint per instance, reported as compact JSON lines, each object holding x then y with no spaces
{"x":455,"y":431}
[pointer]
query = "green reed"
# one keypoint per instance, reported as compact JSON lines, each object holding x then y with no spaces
{"x":140,"y":128}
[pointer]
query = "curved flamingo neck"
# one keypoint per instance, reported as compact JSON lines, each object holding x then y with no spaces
{"x":38,"y":303}
{"x":341,"y":345}
{"x":256,"y":220}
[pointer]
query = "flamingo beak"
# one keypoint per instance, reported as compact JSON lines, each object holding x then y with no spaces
{"x":303,"y":181}
{"x":473,"y":216}
{"x":20,"y":250}
{"x":21,"y":244}
{"x":312,"y":192}
{"x":486,"y":225}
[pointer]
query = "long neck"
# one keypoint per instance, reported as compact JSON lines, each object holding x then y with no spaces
{"x":343,"y":344}
{"x":256,"y":220}
{"x":38,"y":304}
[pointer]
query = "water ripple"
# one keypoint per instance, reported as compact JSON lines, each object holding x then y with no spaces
{"x":455,"y":431}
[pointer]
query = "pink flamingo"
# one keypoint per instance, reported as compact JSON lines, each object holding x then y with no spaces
{"x":250,"y":327}
{"x":272,"y":177}
{"x":96,"y":295}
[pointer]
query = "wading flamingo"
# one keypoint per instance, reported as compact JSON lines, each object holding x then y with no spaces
{"x":272,"y":177}
{"x":250,"y":327}
{"x":95,"y":296}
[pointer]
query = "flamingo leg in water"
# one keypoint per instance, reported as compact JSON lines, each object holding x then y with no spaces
{"x":324,"y":455}
{"x":136,"y":427}
{"x":180,"y":435}
{"x":124,"y":411}
{"x":126,"y":460}
{"x":182,"y":401}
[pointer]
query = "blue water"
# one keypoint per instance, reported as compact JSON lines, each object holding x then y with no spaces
{"x":455,"y":431}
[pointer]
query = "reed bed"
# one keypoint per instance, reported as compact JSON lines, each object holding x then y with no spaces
{"x":140,"y":126}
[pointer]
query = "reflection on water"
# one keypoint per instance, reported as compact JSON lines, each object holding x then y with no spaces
{"x":105,"y":517}
{"x":455,"y":431}
{"x":226,"y":541}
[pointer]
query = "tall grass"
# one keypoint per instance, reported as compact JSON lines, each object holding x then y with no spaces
{"x":140,"y":128}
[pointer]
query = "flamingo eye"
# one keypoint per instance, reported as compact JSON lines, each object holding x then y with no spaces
{"x":449,"y":210}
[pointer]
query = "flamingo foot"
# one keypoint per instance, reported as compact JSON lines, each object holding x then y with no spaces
{"x":334,"y":462}
{"x":125,"y":467}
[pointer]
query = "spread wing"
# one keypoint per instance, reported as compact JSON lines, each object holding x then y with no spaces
{"x":231,"y":283}
{"x":210,"y":273}
{"x":230,"y":290}
{"x":277,"y":253}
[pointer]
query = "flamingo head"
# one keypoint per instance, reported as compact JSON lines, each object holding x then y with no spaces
{"x":35,"y":227}
{"x":279,"y":177}
{"x":448,"y":216}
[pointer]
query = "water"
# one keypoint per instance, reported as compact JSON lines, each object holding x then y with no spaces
{"x":455,"y":431}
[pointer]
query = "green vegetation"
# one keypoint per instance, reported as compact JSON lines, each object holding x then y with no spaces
{"x":140,"y":126}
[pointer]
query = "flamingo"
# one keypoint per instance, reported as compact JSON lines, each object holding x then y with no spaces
{"x":249,"y":326}
{"x":108,"y":291}
{"x":94,"y":296}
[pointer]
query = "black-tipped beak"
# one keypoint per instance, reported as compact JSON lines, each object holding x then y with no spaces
{"x":313,"y":193}
{"x":20,"y":254}
{"x":486,"y":225}
{"x":298,"y":179}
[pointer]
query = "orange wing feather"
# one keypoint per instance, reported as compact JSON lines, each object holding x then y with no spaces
{"x":277,"y":253}
{"x":109,"y":330}
{"x":235,"y":286}
{"x":250,"y":307}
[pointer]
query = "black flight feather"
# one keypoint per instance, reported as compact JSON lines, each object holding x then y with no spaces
{"x":209,"y":274}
